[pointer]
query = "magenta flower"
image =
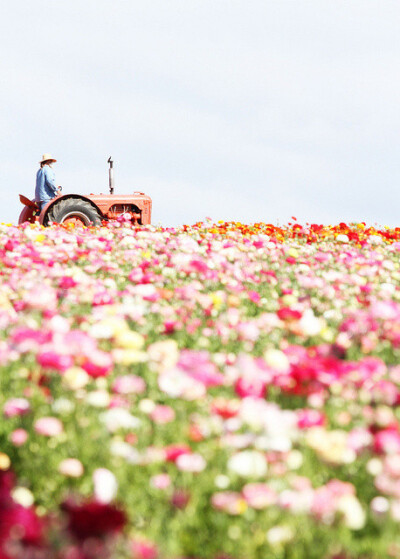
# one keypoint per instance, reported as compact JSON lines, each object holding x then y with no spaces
{"x":53,"y":360}
{"x":16,"y":406}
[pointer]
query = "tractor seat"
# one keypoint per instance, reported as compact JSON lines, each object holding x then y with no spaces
{"x":30,"y":203}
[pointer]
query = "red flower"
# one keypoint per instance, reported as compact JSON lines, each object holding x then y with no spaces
{"x":288,"y":314}
{"x":92,"y":519}
{"x":173,"y":451}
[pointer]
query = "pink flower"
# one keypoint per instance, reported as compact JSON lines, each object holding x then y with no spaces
{"x":254,"y":296}
{"x":310,"y":418}
{"x":194,"y":463}
{"x":259,"y":495}
{"x":162,"y":414}
{"x":66,"y":282}
{"x":48,"y":426}
{"x":19,"y":437}
{"x":198,"y":366}
{"x":16,"y":406}
{"x":250,"y":386}
{"x":160,"y":481}
{"x":144,"y":550}
{"x":228,"y":501}
{"x":387,"y":441}
{"x":53,"y":360}
{"x":129,"y":384}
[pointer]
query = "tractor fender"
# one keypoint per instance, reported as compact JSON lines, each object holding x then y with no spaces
{"x":45,"y":211}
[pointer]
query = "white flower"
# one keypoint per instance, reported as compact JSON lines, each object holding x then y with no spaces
{"x":353,"y":514}
{"x":248,"y":463}
{"x":22,"y":496}
{"x":380,"y":506}
{"x":63,"y":406}
{"x":105,"y":485}
{"x":221,"y":481}
{"x":125,"y":450}
{"x":177,"y":384}
{"x":309,"y":324}
{"x":98,"y":398}
{"x":119,"y":418}
{"x":146,"y":405}
{"x":71,"y":467}
{"x":280,"y":535}
{"x":375,"y":239}
{"x":277,"y":360}
{"x":342,"y":238}
{"x":191,"y":463}
{"x":374,"y":466}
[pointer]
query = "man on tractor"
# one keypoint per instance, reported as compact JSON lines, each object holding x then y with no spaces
{"x":46,"y":188}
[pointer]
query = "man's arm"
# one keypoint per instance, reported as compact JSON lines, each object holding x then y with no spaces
{"x":50,"y":180}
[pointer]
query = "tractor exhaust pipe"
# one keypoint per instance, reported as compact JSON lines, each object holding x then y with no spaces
{"x":111,"y":175}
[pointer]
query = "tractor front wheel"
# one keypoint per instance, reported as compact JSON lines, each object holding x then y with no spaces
{"x":74,"y":210}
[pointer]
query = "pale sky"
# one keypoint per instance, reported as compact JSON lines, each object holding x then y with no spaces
{"x":250,"y":110}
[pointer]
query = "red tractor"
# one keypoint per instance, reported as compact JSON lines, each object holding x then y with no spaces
{"x":89,"y":210}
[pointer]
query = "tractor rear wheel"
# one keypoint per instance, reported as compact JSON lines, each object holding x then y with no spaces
{"x":74,"y":210}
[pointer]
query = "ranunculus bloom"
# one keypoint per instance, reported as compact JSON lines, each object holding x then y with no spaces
{"x":19,"y":437}
{"x":71,"y":467}
{"x":162,"y":414}
{"x":16,"y":406}
{"x":259,"y":495}
{"x":105,"y":485}
{"x":160,"y":481}
{"x":387,"y":441}
{"x":180,"y":498}
{"x":288,"y":314}
{"x":191,"y":463}
{"x":144,"y":550}
{"x":250,"y":386}
{"x":53,"y":360}
{"x":248,"y":463}
{"x":172,"y":452}
{"x":129,"y":384}
{"x":92,"y":519}
{"x":48,"y":426}
{"x":100,"y":364}
{"x":22,"y":522}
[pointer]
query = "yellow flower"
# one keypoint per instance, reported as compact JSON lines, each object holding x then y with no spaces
{"x":129,"y":356}
{"x":75,"y":378}
{"x":5,"y":461}
{"x":216,"y":299}
{"x":330,"y":446}
{"x":129,"y":339}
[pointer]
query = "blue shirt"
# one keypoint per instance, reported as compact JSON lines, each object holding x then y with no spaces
{"x":46,"y":188}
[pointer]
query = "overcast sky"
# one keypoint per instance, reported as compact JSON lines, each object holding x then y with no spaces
{"x":250,"y":110}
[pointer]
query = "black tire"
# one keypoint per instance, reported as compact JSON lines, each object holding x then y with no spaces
{"x":70,"y":208}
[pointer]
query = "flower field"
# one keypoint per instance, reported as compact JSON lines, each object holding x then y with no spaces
{"x":215,"y":391}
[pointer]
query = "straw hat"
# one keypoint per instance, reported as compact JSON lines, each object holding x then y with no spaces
{"x":47,"y":157}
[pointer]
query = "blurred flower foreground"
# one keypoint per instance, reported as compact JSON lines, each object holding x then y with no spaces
{"x":215,"y":391}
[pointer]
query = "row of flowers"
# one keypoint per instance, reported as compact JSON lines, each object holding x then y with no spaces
{"x":214,"y":391}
